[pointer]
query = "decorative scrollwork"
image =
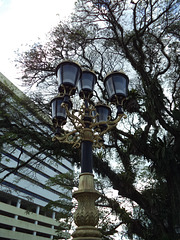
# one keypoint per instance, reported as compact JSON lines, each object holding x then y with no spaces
{"x":80,"y":121}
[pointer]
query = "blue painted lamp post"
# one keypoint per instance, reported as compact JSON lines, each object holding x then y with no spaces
{"x":90,"y":123}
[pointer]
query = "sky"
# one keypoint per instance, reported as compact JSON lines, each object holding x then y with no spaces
{"x":24,"y":22}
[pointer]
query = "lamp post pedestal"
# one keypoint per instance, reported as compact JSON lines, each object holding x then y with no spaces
{"x":86,"y":216}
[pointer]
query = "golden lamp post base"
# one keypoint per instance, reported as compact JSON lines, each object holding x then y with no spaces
{"x":86,"y":216}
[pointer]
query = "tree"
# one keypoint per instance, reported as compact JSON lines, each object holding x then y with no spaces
{"x":142,"y":37}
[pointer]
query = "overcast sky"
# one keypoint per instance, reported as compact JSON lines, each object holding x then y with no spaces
{"x":23,"y":22}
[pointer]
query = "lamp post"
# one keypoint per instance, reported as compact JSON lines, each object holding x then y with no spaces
{"x":90,"y":122}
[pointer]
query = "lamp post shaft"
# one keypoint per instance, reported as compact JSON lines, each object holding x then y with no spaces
{"x":86,"y":157}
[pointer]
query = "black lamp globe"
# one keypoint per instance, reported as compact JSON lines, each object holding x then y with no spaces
{"x":103,"y":115}
{"x":116,"y":85}
{"x":58,"y":112}
{"x":68,"y":74}
{"x":86,"y":84}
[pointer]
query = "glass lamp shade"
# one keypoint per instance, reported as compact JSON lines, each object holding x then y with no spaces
{"x":103,"y":114}
{"x":58,"y":112}
{"x":116,"y":85}
{"x":86,"y":84}
{"x":68,"y":74}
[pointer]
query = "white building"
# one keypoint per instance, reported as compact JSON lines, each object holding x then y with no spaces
{"x":23,"y":193}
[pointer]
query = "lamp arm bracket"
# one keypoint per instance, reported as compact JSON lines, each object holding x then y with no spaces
{"x":64,"y":91}
{"x":97,"y":143}
{"x":112,"y":123}
{"x":73,"y":118}
{"x":65,"y":137}
{"x":117,"y":119}
{"x":84,"y":111}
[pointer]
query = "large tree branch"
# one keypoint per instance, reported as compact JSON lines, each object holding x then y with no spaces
{"x":135,"y":225}
{"x":126,"y":189}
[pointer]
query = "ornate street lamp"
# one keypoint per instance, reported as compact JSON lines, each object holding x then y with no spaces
{"x":91,"y":122}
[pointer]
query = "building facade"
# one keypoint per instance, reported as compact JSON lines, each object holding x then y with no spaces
{"x":25,"y":167}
